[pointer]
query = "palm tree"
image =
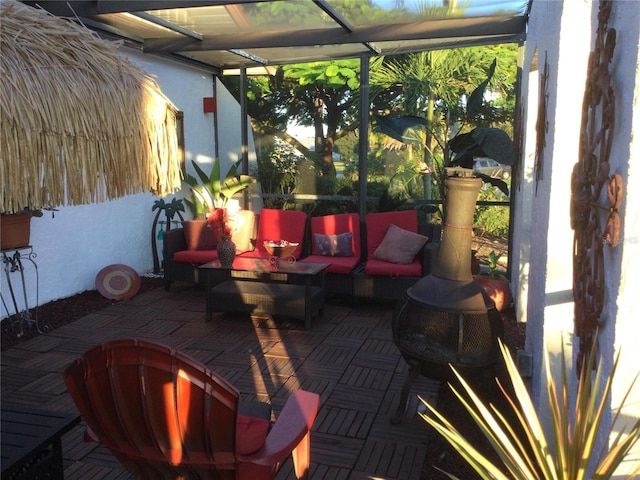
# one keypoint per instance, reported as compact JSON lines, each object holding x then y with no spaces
{"x":434,"y":86}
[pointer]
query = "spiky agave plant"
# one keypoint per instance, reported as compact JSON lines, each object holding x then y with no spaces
{"x":212,"y":190}
{"x":523,"y":449}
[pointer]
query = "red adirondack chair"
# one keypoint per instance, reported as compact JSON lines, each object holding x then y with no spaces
{"x":164,"y":415}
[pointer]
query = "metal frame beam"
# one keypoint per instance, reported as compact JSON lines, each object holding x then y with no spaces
{"x":99,"y":7}
{"x":449,"y":28}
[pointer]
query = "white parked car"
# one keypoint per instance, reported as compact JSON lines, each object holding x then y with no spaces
{"x":491,"y":168}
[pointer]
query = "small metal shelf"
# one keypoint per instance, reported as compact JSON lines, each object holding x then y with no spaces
{"x":13,"y":260}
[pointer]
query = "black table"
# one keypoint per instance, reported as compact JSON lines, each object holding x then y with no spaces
{"x":258,"y":285}
{"x":31,"y":442}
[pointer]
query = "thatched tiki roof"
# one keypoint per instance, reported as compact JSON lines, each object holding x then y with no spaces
{"x":79,"y":122}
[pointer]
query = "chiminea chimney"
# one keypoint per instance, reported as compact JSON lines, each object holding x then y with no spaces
{"x":447,"y":318}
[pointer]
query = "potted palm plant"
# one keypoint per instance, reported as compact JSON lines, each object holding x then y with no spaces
{"x":480,"y":141}
{"x":211,"y":191}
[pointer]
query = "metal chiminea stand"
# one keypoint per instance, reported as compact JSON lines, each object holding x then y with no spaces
{"x":446,"y":318}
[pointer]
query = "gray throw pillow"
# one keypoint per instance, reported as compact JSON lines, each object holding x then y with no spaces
{"x":399,"y":246}
{"x":333,"y":245}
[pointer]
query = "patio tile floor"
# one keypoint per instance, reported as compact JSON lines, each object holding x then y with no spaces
{"x":347,"y":357}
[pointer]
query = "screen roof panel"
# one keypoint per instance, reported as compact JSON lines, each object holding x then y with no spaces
{"x":244,"y":34}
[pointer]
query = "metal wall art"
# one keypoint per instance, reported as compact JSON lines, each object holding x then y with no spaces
{"x":591,"y":175}
{"x":542,"y":125}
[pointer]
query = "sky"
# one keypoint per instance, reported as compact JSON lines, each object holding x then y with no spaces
{"x":476,"y":7}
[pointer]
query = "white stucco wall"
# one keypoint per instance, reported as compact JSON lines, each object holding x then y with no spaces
{"x":523,"y":194}
{"x":75,"y":245}
{"x":548,"y":308}
{"x":621,"y":331}
{"x":545,"y":267}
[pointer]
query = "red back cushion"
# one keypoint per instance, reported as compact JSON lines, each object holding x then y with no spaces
{"x":198,"y":235}
{"x":278,"y":225}
{"x":335,"y":225}
{"x":378,"y":224}
{"x":399,"y":246}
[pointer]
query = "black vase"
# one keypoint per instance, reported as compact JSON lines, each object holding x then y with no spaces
{"x":226,"y":253}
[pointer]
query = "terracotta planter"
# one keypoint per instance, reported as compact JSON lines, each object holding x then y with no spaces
{"x":15,"y":230}
{"x":498,"y":289}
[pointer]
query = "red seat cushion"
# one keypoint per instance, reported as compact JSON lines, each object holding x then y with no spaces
{"x":335,"y":225}
{"x":380,"y":267}
{"x":377,"y":226}
{"x":196,"y":257}
{"x":251,"y":433}
{"x":336,"y":264}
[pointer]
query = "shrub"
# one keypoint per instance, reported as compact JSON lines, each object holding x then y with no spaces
{"x":492,"y":219}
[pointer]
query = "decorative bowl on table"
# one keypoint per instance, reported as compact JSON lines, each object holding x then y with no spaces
{"x":280,"y":249}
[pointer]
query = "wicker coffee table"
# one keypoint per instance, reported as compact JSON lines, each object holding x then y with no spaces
{"x":255,"y":285}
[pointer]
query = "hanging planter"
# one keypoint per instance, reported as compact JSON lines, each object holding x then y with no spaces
{"x":15,"y":230}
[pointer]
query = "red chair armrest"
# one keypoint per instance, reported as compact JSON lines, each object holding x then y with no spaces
{"x":291,"y":428}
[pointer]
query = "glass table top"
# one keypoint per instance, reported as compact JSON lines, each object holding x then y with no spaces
{"x":270,"y":265}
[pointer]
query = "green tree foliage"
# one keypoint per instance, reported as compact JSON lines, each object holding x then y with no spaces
{"x":287,"y":13}
{"x":268,"y":96}
{"x":276,"y":169}
{"x":283,"y":14}
{"x":281,"y":171}
{"x":324,"y":97}
{"x":319,"y":94}
{"x":436,"y":85}
{"x":493,"y":219}
{"x":422,"y":98}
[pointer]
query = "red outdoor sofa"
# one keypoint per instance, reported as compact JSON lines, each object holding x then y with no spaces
{"x":396,"y":250}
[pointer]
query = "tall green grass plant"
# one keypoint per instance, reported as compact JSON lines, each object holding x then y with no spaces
{"x":524,"y":451}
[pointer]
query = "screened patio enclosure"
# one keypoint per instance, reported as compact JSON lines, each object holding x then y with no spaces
{"x":244,"y":37}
